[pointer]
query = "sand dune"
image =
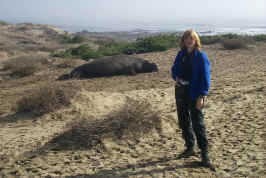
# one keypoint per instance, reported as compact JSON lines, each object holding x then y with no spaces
{"x":35,"y":146}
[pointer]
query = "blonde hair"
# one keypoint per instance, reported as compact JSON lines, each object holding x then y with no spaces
{"x":194,"y":35}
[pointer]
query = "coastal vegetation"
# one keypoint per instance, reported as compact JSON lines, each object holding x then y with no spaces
{"x":160,"y":42}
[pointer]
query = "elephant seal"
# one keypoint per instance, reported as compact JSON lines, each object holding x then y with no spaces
{"x":111,"y":66}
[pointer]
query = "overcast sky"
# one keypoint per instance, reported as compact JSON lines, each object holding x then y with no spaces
{"x":105,"y":12}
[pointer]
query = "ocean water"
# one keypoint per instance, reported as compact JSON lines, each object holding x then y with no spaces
{"x":202,"y":29}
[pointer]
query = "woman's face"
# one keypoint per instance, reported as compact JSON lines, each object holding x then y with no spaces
{"x":190,"y":42}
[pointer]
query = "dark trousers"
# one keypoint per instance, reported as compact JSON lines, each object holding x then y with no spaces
{"x":190,"y":121}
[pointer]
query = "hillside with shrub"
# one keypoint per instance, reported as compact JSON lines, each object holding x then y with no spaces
{"x":124,"y":126}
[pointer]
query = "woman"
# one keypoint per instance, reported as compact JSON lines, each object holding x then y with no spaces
{"x":191,"y":72}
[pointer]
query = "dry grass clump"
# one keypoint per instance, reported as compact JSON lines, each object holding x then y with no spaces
{"x":47,"y":98}
{"x":234,"y":44}
{"x":24,"y":65}
{"x":68,"y":63}
{"x":3,"y":23}
{"x":137,"y":118}
{"x":45,"y":47}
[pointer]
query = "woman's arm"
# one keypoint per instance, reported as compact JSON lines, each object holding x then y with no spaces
{"x":205,"y":79}
{"x":175,"y":66}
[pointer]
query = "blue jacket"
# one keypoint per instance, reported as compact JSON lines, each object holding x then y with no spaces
{"x":200,"y":82}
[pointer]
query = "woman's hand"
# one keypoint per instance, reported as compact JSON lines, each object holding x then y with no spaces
{"x":200,"y":103}
{"x":177,"y":83}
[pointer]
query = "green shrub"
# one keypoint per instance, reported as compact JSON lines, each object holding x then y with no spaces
{"x":230,"y":36}
{"x":221,"y":38}
{"x":148,"y":45}
{"x":210,"y":39}
{"x":80,"y":51}
{"x":142,"y":45}
{"x":259,"y":37}
{"x":112,"y":49}
{"x":91,"y":54}
{"x":84,"y":52}
{"x":242,"y":38}
{"x":78,"y":39}
{"x":73,"y":39}
{"x":63,"y":54}
{"x":129,"y":49}
{"x":156,"y":43}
